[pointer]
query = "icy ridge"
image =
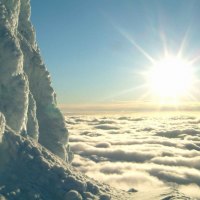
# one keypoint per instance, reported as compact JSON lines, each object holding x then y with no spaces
{"x":27,"y":98}
{"x":33,"y":135}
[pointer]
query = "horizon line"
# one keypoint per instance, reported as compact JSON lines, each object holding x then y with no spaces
{"x":129,"y":106}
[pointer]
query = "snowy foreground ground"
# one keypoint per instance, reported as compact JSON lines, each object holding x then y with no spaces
{"x":158,"y":155}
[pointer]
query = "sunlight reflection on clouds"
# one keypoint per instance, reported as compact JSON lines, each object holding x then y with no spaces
{"x":135,"y":152}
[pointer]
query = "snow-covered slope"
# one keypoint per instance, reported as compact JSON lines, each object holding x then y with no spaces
{"x":34,"y":151}
{"x":30,"y":171}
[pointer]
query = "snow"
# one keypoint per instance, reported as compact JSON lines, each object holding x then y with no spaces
{"x":2,"y":126}
{"x":23,"y":75}
{"x":33,"y":172}
{"x":32,"y":122}
{"x":34,"y":152}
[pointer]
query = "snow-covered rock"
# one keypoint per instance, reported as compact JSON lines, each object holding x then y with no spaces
{"x":33,"y":135}
{"x":2,"y":126}
{"x":30,"y":171}
{"x":27,"y":98}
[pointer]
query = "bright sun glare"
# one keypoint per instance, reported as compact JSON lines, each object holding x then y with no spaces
{"x":171,"y":78}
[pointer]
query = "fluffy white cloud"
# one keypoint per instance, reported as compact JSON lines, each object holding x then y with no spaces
{"x":191,"y":190}
{"x":139,"y":151}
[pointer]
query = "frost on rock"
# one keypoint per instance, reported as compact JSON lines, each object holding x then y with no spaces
{"x":32,"y":122}
{"x":32,"y":172}
{"x":2,"y":126}
{"x":33,"y":134}
{"x":27,"y":99}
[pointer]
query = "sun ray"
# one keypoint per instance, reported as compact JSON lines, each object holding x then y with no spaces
{"x":173,"y":75}
{"x":145,"y":96}
{"x":183,"y":43}
{"x":134,"y":43}
{"x":194,"y":60}
{"x":164,"y":43}
{"x":123,"y":92}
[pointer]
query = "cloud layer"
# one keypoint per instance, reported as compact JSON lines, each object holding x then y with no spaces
{"x":139,"y":152}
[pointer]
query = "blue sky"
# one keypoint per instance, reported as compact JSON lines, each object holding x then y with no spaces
{"x":89,"y":58}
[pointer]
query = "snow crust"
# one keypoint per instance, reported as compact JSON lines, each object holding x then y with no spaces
{"x":30,"y":171}
{"x":2,"y":126}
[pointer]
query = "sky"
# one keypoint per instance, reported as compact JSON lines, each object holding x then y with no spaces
{"x":98,"y":51}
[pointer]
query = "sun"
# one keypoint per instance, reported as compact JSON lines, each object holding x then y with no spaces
{"x":170,"y":78}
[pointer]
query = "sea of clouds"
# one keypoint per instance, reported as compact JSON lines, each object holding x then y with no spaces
{"x":155,"y":154}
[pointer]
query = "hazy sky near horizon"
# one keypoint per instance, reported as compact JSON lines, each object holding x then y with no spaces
{"x":91,"y":48}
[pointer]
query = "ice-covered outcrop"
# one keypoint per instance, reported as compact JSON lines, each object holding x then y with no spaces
{"x":33,"y":136}
{"x":31,"y":172}
{"x":2,"y":126}
{"x":27,"y":99}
